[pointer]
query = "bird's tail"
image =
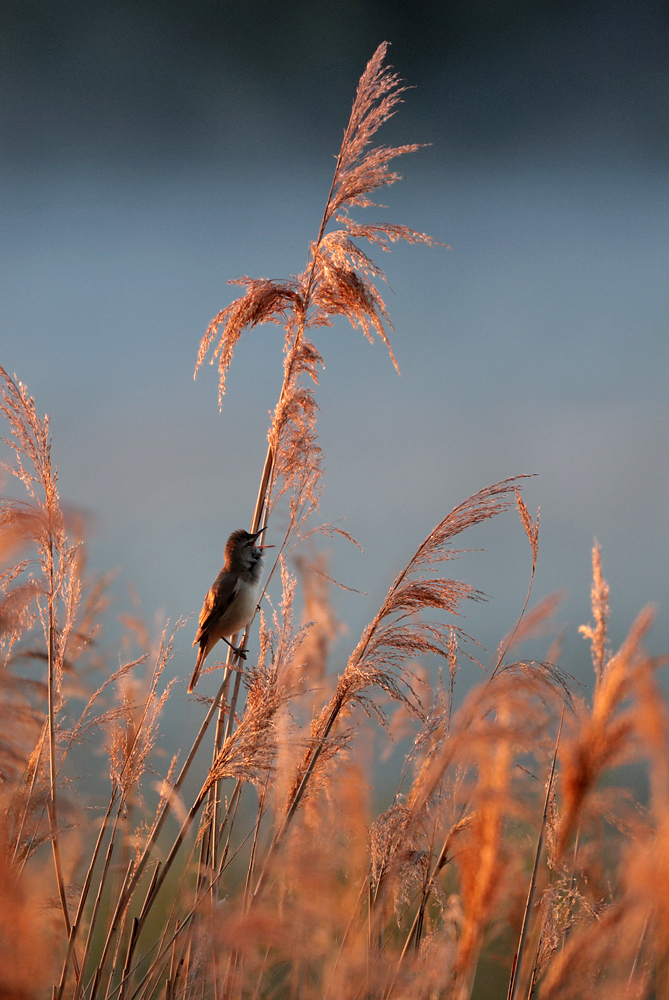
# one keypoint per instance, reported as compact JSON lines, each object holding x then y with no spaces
{"x":201,"y":653}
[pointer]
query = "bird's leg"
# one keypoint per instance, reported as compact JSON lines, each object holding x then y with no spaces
{"x":235,"y":649}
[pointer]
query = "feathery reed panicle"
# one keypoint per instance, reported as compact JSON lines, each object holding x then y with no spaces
{"x":338,"y":281}
{"x":134,"y":738}
{"x":600,"y":611}
{"x":39,"y":521}
{"x":22,"y":728}
{"x":616,"y":926}
{"x":133,"y":731}
{"x":392,"y":638}
{"x":498,"y":724}
{"x":42,"y":520}
{"x":264,"y":301}
{"x":532,"y":532}
{"x":335,"y":279}
{"x":605,"y":735}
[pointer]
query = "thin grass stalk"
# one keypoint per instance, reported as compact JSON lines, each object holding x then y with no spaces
{"x":178,"y":930}
{"x":537,"y":951}
{"x":99,"y":970}
{"x":233,"y":700}
{"x":208,"y":857}
{"x":53,"y":801}
{"x":122,"y":942}
{"x":518,"y":962}
{"x":416,"y":927}
{"x":233,"y":966}
{"x":230,"y":976}
{"x":637,"y":953}
{"x":112,"y":842}
{"x":106,"y":869}
{"x":171,"y":981}
{"x":134,"y":932}
{"x":159,"y":877}
{"x":182,"y":971}
{"x":88,"y":880}
{"x":508,"y":643}
{"x":256,"y":993}
{"x":126,"y":895}
{"x":216,"y":973}
{"x":218,"y":742}
{"x":209,"y":844}
{"x":254,"y":846}
{"x":356,"y":911}
{"x":572,"y":881}
{"x":532,"y":531}
{"x":134,"y":935}
{"x":148,"y":993}
{"x":96,"y":905}
{"x":173,"y":909}
{"x":389,"y":988}
{"x":168,"y":922}
{"x":169,"y":861}
{"x":231,"y":815}
{"x":205,"y":862}
{"x":33,"y":780}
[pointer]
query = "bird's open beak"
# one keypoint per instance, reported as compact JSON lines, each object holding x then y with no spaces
{"x":257,"y":534}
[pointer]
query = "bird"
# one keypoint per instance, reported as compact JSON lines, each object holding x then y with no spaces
{"x":233,"y":597}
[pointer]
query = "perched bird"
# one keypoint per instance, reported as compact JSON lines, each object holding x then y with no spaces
{"x":232,"y":599}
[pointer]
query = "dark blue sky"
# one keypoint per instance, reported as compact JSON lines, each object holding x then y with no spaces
{"x":119,"y":83}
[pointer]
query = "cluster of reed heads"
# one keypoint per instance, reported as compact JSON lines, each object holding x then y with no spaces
{"x":507,"y":837}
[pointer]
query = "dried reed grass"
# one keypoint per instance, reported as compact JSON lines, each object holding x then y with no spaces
{"x":278,"y":878}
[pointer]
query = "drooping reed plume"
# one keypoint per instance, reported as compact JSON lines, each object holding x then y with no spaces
{"x":337,"y":281}
{"x":55,"y":600}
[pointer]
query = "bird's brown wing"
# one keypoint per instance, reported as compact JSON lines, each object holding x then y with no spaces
{"x":216,"y":603}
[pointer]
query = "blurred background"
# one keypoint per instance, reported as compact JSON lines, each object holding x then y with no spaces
{"x":151,"y":151}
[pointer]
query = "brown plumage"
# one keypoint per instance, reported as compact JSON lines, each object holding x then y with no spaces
{"x":232,"y":599}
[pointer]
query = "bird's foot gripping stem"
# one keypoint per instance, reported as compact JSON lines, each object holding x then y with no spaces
{"x":241,"y":653}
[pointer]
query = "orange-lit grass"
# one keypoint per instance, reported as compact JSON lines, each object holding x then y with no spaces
{"x":327,"y":899}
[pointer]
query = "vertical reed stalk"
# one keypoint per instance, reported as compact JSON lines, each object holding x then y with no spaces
{"x":126,"y":895}
{"x":53,"y":801}
{"x":520,"y":952}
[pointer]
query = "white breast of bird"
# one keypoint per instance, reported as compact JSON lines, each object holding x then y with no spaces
{"x":241,"y":610}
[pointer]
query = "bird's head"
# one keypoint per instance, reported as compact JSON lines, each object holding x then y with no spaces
{"x":242,"y":552}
